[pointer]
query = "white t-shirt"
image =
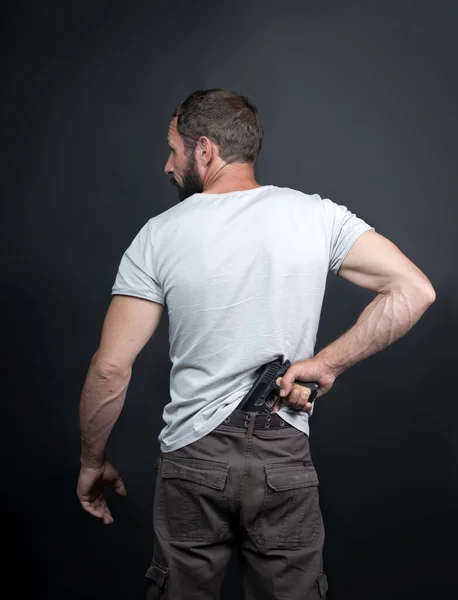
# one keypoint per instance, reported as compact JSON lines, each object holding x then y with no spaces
{"x":243,"y":277}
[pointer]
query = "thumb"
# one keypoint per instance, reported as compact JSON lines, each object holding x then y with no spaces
{"x":283,"y":385}
{"x":119,"y":486}
{"x":286,"y":382}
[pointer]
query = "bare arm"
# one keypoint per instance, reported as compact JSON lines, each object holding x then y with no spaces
{"x":129,"y":324}
{"x":403,"y":294}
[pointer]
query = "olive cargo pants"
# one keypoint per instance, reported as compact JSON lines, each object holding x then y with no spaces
{"x":250,"y":483}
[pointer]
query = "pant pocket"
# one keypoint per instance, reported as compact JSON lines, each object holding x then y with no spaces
{"x":192,"y":500}
{"x":157,"y":579}
{"x":290,"y":516}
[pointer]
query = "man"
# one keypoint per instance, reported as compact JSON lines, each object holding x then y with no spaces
{"x":241,"y":268}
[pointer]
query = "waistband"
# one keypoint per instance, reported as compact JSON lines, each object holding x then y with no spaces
{"x":241,"y":418}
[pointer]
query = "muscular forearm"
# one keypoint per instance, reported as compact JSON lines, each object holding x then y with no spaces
{"x":386,"y":319}
{"x":102,"y":400}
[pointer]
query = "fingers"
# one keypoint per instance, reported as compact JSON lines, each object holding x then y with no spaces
{"x":95,"y":512}
{"x":119,"y":486}
{"x":117,"y":482}
{"x":106,"y":512}
{"x":298,"y":396}
{"x":108,"y":518}
{"x":90,"y":492}
{"x":298,"y":399}
{"x":99,"y":510}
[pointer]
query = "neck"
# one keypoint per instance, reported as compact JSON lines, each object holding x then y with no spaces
{"x":231,"y":178}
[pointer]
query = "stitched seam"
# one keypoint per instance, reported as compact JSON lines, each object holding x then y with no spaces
{"x":292,"y":504}
{"x":247,"y":468}
{"x":265,"y":506}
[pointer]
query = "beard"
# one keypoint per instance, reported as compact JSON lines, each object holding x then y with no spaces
{"x":192,"y":183}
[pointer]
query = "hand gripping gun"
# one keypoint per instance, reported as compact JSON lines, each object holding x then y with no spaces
{"x":264,"y":396}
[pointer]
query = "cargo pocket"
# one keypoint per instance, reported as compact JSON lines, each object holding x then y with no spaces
{"x":157,"y":579}
{"x":322,"y":583}
{"x":192,"y":500}
{"x":290,"y":516}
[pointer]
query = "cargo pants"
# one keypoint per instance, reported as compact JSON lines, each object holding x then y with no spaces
{"x":249,"y":484}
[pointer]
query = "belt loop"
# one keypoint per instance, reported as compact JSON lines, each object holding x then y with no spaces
{"x":251,"y":423}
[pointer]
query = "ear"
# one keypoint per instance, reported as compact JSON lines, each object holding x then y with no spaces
{"x":205,"y":151}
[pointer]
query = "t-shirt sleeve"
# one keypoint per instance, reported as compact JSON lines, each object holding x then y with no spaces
{"x":137,"y":274}
{"x":344,"y":228}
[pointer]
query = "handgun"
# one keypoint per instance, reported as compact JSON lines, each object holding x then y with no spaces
{"x":263,"y":396}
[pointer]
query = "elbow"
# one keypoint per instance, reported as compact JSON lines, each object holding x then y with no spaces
{"x":425,"y":291}
{"x":106,"y":369}
{"x":429,"y":295}
{"x":422,"y":292}
{"x":417,"y":290}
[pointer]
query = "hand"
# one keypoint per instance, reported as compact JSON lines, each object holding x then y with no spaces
{"x":296,"y":396}
{"x":91,"y":482}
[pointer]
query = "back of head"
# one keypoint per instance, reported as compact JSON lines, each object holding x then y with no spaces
{"x":229,"y":120}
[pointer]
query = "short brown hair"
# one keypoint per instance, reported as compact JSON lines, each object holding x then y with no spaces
{"x":226,"y":118}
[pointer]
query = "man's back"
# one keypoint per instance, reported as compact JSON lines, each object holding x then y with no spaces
{"x":242,"y":270}
{"x":243,"y":277}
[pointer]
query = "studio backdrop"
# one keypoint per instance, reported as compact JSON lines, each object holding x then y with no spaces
{"x":359,"y":104}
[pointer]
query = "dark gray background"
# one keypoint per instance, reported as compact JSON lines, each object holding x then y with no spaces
{"x":359,"y":103}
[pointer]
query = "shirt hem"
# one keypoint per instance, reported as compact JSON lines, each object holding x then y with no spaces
{"x":197,"y":435}
{"x":290,"y":420}
{"x":213,"y":423}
